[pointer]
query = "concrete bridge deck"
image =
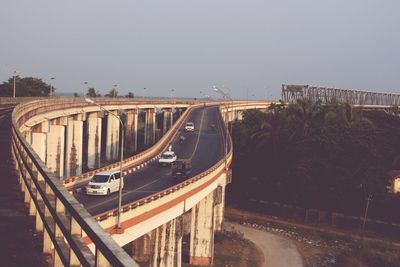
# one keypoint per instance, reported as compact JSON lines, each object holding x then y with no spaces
{"x":19,"y":245}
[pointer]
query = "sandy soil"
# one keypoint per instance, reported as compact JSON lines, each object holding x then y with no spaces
{"x":278,"y":251}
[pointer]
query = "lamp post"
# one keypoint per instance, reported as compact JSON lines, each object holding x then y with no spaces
{"x":121,"y":159}
{"x":170,"y":94}
{"x":84,"y":88}
{"x":51,"y":86}
{"x":227,"y":97}
{"x":15,"y":77}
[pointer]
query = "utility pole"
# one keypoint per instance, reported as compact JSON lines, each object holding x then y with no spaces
{"x":369,"y":199}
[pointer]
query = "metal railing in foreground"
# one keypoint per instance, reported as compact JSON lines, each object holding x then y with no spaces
{"x":61,"y":218}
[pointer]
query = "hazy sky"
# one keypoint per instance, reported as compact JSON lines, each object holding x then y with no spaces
{"x":190,"y":45}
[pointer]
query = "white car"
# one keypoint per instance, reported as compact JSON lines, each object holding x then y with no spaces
{"x":167,"y":158}
{"x":104,"y":183}
{"x":189,"y":127}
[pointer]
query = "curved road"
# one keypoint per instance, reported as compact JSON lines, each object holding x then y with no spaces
{"x":205,"y":146}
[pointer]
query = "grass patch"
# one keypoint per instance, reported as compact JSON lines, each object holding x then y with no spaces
{"x":231,"y":249}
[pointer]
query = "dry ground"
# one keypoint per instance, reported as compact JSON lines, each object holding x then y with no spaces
{"x":325,"y":247}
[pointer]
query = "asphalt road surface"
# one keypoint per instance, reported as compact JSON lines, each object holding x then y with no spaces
{"x":204,"y":146}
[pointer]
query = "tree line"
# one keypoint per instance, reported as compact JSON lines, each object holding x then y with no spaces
{"x":313,"y":155}
{"x":36,"y":87}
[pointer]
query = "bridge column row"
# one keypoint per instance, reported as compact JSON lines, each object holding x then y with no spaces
{"x":60,"y":142}
{"x":150,"y":126}
{"x":162,"y":247}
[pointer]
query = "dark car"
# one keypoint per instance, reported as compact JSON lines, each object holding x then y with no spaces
{"x":181,"y":169}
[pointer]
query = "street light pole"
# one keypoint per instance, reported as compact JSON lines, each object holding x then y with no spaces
{"x":84,"y":88}
{"x":121,"y":159}
{"x":15,"y":76}
{"x":51,"y":86}
{"x":227,"y":97}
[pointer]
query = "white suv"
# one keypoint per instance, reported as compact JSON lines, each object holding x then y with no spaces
{"x":189,"y":127}
{"x":167,"y":158}
{"x":104,"y":183}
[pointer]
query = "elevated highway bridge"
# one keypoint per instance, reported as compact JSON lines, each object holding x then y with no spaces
{"x":52,"y":140}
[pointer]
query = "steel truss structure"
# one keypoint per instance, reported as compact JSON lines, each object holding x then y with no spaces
{"x":327,"y":94}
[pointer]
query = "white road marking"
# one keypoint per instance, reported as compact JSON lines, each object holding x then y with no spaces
{"x":123,"y":194}
{"x":198,"y":136}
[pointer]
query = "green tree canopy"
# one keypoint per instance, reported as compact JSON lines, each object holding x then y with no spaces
{"x":325,"y":156}
{"x":26,"y":86}
{"x":92,"y":92}
{"x":130,"y":95}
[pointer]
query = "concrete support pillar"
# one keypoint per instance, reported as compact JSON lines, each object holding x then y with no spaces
{"x":166,"y":246}
{"x":94,"y":140}
{"x":150,"y":126}
{"x":47,"y":245}
{"x":74,"y":136}
{"x":60,"y":121}
{"x":28,"y":135}
{"x":131,"y":126}
{"x":39,"y":141}
{"x":240,"y":115}
{"x":141,"y":248}
{"x":42,"y":127}
{"x":55,"y":150}
{"x":167,"y":119}
{"x":202,"y":232}
{"x":112,"y":138}
{"x":235,"y":114}
{"x":231,"y":116}
{"x":219,"y":207}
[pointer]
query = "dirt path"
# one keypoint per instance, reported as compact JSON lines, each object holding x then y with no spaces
{"x":278,"y":251}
